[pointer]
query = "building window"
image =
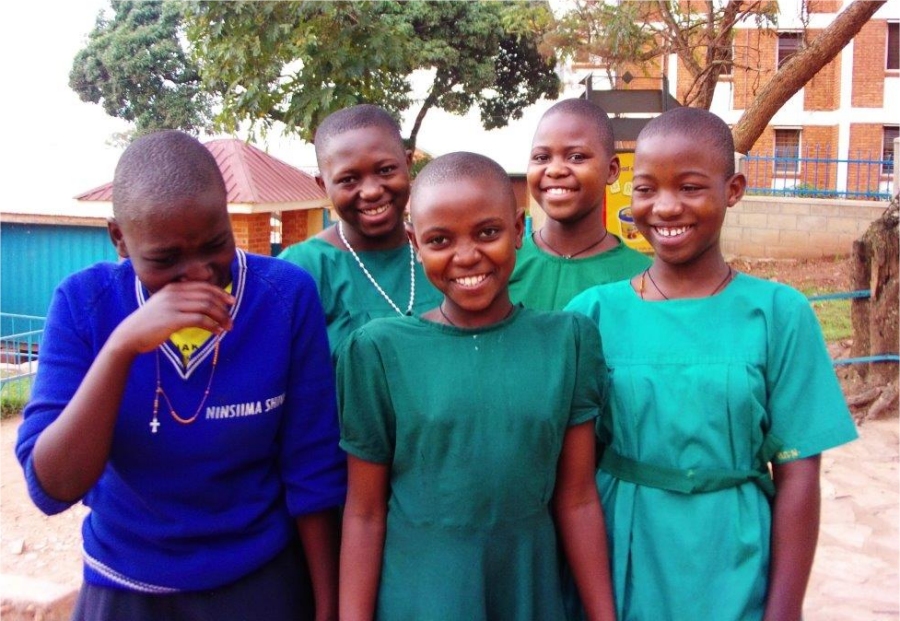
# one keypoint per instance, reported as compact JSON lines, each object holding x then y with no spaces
{"x":891,"y":132}
{"x":893,"y":46}
{"x":789,"y":43}
{"x":787,"y":151}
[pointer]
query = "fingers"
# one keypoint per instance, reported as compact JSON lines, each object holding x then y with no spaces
{"x":194,"y":304}
{"x":172,"y":308}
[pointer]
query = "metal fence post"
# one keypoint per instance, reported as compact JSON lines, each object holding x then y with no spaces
{"x":896,"y":167}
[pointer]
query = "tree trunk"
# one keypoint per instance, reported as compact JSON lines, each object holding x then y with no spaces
{"x":426,"y":106}
{"x":876,"y":262}
{"x":799,"y":70}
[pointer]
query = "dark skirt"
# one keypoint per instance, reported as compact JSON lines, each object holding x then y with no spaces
{"x":278,"y":591}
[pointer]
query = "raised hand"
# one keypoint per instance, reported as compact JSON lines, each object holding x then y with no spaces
{"x":177,"y":305}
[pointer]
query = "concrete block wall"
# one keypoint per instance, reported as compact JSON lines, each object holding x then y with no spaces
{"x":796,"y":228}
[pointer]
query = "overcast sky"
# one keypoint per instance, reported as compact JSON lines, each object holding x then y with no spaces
{"x":56,"y":145}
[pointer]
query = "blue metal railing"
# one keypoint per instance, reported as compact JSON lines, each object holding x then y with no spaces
{"x":20,"y":336}
{"x":858,"y":294}
{"x":815,"y":175}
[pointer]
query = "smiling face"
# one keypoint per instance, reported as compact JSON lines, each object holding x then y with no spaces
{"x":569,"y":167}
{"x":365,"y":173}
{"x":190,"y":240}
{"x":466,"y":233}
{"x":681,"y":191}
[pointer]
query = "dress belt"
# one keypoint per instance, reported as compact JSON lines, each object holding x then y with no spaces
{"x":683,"y":481}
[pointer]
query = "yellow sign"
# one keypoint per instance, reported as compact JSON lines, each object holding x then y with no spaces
{"x":617,"y":215}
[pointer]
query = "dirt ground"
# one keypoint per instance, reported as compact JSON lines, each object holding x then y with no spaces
{"x":855,"y":577}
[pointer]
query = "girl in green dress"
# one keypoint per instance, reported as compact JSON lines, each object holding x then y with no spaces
{"x":573,"y":159}
{"x":722,"y":398}
{"x":364,"y":265}
{"x":470,"y":430}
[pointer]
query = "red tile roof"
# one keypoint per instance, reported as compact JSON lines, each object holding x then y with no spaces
{"x":251,"y":176}
{"x":100,"y":193}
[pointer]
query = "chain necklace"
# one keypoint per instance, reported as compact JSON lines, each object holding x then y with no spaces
{"x":450,"y":321}
{"x":412,"y":274}
{"x":574,"y":254}
{"x":718,"y":288}
{"x":154,"y":423}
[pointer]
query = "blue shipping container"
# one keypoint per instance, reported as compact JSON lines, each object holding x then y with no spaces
{"x":34,"y":258}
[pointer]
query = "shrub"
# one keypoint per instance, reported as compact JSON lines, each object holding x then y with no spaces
{"x":14,"y":394}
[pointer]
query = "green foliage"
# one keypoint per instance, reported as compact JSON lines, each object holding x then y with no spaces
{"x":296,"y":62}
{"x":135,"y":66}
{"x":834,"y":317}
{"x":608,"y":31}
{"x":805,"y":190}
{"x":14,"y":394}
{"x":483,"y":54}
{"x":418,"y":164}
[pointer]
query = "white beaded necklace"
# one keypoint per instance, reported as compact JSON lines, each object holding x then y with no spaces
{"x":412,"y":274}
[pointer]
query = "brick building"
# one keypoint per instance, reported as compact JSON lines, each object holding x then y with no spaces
{"x":847,"y":114}
{"x":271,"y":204}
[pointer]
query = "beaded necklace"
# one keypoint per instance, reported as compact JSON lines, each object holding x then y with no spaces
{"x":154,"y":423}
{"x":412,"y":274}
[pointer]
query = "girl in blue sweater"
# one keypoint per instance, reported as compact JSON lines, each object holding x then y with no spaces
{"x":186,"y":396}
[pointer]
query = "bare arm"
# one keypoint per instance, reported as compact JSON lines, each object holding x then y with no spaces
{"x":70,"y":454}
{"x":579,"y":519}
{"x":365,"y":520}
{"x":319,"y":536}
{"x":795,"y":531}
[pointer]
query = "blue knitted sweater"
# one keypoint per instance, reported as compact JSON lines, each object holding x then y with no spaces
{"x":197,"y":506}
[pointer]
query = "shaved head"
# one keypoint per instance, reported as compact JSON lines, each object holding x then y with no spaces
{"x":699,"y":125}
{"x":590,"y":112}
{"x":463,"y":167}
{"x":162,"y":169}
{"x":355,"y":117}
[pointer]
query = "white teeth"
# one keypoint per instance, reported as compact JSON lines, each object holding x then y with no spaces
{"x":375,"y":210}
{"x":671,"y":231}
{"x":470,"y":281}
{"x":557,"y":191}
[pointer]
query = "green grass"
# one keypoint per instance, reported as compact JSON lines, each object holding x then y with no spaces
{"x":834,"y":317}
{"x":14,"y":394}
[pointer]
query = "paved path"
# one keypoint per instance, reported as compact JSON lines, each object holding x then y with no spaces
{"x":855,"y":576}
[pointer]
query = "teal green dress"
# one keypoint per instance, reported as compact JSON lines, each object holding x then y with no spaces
{"x":471,"y":423}
{"x":543,"y":281}
{"x":349,"y":298}
{"x":704,"y":394}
